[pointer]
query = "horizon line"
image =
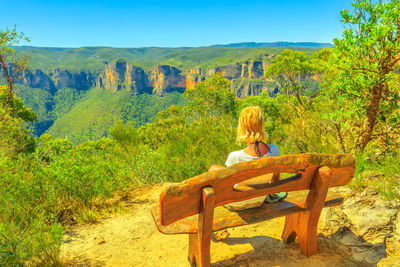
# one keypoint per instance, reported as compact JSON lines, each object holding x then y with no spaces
{"x":187,"y":47}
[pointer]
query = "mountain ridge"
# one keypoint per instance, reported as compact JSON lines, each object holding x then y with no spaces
{"x":238,"y":44}
{"x":276,"y":44}
{"x":95,"y":58}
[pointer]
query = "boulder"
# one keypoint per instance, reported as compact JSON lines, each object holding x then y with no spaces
{"x":368,"y":215}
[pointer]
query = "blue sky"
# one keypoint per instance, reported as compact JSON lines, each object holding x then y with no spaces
{"x":172,"y":23}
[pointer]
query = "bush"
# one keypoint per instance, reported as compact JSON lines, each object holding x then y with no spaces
{"x":381,"y":173}
{"x":28,"y":229}
{"x":58,"y":183}
{"x":13,"y":138}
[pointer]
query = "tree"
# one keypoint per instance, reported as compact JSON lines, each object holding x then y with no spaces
{"x":17,"y":108}
{"x":212,"y":97}
{"x":291,"y":69}
{"x":13,"y":137}
{"x":11,"y":64}
{"x":365,"y":59}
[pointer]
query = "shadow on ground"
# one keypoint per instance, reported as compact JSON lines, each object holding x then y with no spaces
{"x":83,"y":261}
{"x":343,"y":248}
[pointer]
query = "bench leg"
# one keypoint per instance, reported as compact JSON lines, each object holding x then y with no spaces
{"x":199,"y":244}
{"x":301,"y":225}
{"x":289,"y":230}
{"x":193,"y":248}
{"x":305,"y":224}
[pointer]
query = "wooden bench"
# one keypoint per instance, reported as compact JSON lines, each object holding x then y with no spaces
{"x":194,"y":206}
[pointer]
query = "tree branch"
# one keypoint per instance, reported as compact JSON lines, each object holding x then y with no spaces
{"x":341,"y":142}
{"x":394,"y":61}
{"x":8,"y":79}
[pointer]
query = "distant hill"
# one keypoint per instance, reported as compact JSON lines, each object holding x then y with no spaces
{"x":94,"y":59}
{"x":277,"y":44}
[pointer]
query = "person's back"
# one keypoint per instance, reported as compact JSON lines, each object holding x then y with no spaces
{"x":241,"y":156}
{"x":251,"y":131}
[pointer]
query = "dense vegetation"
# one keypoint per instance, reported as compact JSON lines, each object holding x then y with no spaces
{"x":48,"y":183}
{"x":93,"y":59}
{"x":88,"y":115}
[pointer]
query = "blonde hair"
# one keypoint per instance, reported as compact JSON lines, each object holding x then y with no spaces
{"x":251,"y":125}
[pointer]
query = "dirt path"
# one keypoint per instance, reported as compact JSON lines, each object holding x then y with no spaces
{"x":131,"y":239}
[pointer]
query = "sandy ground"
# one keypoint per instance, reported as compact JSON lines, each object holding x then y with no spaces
{"x":132,"y":239}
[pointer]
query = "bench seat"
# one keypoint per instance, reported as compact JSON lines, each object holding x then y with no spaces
{"x":224,"y":218}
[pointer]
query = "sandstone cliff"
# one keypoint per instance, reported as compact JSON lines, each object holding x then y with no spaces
{"x":38,"y":79}
{"x":165,"y":79}
{"x":122,"y":76}
{"x":244,"y":70}
{"x":194,"y":76}
{"x":64,"y":78}
{"x":247,"y":78}
{"x":247,"y":87}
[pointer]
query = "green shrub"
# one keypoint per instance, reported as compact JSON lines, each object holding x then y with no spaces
{"x":28,"y":229}
{"x":379,"y":173}
{"x":58,"y":183}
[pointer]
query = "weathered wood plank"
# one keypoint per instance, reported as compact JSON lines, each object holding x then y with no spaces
{"x":183,"y":199}
{"x":265,"y":185}
{"x":224,"y":218}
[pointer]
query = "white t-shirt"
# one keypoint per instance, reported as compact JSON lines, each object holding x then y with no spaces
{"x":241,"y":156}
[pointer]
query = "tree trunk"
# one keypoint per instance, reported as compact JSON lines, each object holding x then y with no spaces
{"x":370,"y":120}
{"x":10,"y":94}
{"x":9,"y":82}
{"x":340,"y":137}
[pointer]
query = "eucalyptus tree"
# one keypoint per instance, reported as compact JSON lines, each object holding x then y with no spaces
{"x":11,"y":63}
{"x":365,"y":58}
{"x":289,"y":69}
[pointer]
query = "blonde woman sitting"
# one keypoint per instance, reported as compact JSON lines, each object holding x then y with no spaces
{"x":251,"y":131}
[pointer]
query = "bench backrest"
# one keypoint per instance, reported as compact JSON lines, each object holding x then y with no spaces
{"x":183,"y":199}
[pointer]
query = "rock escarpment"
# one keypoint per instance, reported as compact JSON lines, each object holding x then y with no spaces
{"x":57,"y":79}
{"x":38,"y":79}
{"x":247,"y":78}
{"x":247,"y":87}
{"x":122,"y":76}
{"x":244,"y":70}
{"x":63,"y":78}
{"x":165,"y":79}
{"x":194,"y":76}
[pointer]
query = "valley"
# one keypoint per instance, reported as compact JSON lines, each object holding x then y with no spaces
{"x":80,"y":93}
